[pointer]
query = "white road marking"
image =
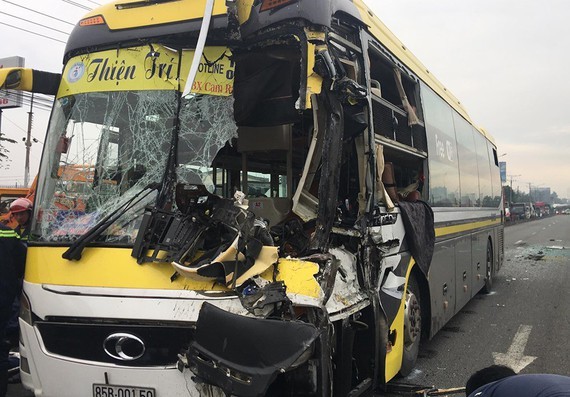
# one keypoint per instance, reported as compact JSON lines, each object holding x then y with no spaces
{"x":514,"y":357}
{"x":519,"y":242}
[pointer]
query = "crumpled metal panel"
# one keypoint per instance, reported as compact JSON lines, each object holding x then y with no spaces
{"x":347,"y":292}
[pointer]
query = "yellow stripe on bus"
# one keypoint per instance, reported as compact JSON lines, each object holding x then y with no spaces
{"x":464,"y":227}
{"x":103,"y":267}
{"x":116,"y":268}
{"x":394,"y":357}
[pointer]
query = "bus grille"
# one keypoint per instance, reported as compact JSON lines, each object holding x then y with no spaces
{"x":85,"y":342}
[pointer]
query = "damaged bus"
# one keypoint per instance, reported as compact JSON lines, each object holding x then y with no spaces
{"x":281,"y":200}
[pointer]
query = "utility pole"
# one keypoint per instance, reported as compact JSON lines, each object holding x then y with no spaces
{"x":29,"y":142}
{"x":530,"y":192}
{"x":511,"y":191}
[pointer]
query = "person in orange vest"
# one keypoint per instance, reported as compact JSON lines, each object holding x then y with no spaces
{"x":21,"y":210}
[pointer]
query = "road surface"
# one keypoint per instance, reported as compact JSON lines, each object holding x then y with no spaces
{"x":523,"y":323}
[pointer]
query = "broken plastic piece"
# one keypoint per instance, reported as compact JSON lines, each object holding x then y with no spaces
{"x":254,"y":351}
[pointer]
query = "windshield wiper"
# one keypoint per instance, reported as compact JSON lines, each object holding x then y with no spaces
{"x":75,"y":250}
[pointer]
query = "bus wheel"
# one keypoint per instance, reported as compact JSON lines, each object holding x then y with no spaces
{"x":412,"y":326}
{"x":489,"y":273}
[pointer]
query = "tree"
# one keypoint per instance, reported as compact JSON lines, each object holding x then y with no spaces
{"x":3,"y":151}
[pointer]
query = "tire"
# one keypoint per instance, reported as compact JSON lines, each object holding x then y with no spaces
{"x":489,"y":269}
{"x":413,"y":314}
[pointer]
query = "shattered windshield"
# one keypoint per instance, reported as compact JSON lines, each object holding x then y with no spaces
{"x":110,"y":137}
{"x":206,"y":125}
{"x":102,"y":149}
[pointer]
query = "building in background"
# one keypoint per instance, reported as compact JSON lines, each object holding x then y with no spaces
{"x":540,"y":194}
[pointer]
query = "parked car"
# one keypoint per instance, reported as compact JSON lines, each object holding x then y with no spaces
{"x":521,"y":211}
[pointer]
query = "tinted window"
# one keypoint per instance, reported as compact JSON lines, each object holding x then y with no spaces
{"x":483,"y":164}
{"x":443,"y":170}
{"x":466,"y":152}
{"x":495,"y":177}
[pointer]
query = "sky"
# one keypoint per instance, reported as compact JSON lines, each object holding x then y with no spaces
{"x":505,"y":60}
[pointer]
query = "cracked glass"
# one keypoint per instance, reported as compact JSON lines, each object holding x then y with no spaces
{"x":102,"y":149}
{"x":206,"y":125}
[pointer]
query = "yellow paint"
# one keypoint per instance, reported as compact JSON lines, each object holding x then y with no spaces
{"x":466,"y":227}
{"x":299,"y":277}
{"x":244,"y":10}
{"x":314,"y":81}
{"x":313,"y":35}
{"x":149,"y":67}
{"x":215,"y":74}
{"x":394,"y":358}
{"x":26,"y":78}
{"x":121,"y":70}
{"x":104,"y":267}
{"x":154,"y":14}
{"x":116,"y":268}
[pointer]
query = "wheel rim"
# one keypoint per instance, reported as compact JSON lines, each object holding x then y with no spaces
{"x":412,"y":320}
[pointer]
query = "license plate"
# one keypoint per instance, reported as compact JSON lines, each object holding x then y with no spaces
{"x":100,"y":390}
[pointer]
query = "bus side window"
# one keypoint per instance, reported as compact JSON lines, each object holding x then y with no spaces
{"x":396,"y":101}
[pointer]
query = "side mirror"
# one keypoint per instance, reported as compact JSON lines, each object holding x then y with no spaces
{"x":30,"y":80}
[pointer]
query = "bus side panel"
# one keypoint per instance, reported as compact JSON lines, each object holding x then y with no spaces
{"x":442,"y":284}
{"x":479,"y":244}
{"x":463,"y":271}
{"x":499,"y":247}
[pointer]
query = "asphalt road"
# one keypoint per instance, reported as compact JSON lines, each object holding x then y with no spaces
{"x":524,"y":322}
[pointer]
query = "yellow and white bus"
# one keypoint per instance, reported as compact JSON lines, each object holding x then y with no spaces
{"x":283,"y":201}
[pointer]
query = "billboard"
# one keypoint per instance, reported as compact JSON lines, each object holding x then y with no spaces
{"x":503,"y":170}
{"x":11,"y":98}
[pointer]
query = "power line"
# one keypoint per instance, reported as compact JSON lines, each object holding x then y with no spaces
{"x":37,"y":34}
{"x":38,"y":99}
{"x":35,"y":23}
{"x":39,"y":107}
{"x":43,"y":97}
{"x":38,"y":12}
{"x":73,"y":3}
{"x":47,"y":100}
{"x":42,"y":105}
{"x":15,"y":93}
{"x":17,"y":126}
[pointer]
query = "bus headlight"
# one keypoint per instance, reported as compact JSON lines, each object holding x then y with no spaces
{"x":25,"y":309}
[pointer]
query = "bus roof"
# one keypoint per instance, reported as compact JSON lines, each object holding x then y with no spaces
{"x":163,"y":17}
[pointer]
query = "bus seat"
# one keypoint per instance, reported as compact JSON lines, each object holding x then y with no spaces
{"x":375,"y":88}
{"x":273,"y":209}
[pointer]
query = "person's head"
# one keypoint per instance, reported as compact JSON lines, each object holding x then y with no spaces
{"x":487,"y":375}
{"x":21,"y":210}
